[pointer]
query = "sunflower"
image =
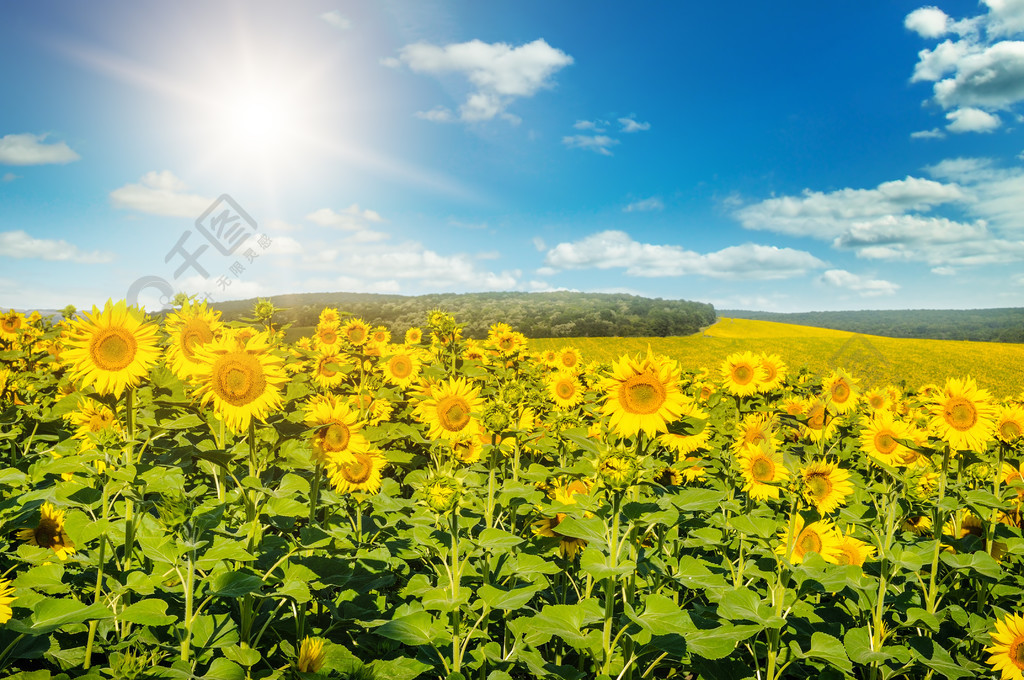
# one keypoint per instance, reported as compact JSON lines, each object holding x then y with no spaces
{"x":683,"y":444}
{"x":963,"y":415}
{"x":754,"y":429}
{"x":762,"y":470}
{"x":356,"y":331}
{"x":694,"y":469}
{"x":643,"y":394}
{"x":329,"y":317}
{"x":339,"y":430}
{"x":327,"y":365}
{"x":820,"y":537}
{"x":549,"y":358}
{"x":1009,"y":424}
{"x":917,"y":524}
{"x":826,"y":485}
{"x":819,"y":424}
{"x":569,"y":359}
{"x":327,"y":337}
{"x":311,"y":654}
{"x":111,"y":349}
{"x":414,"y":336}
{"x":854,"y":551}
{"x":361,"y":474}
{"x":473,"y":351}
{"x":562,"y":492}
{"x":402,"y":366}
{"x":839,"y":391}
{"x":49,"y":533}
{"x":92,"y":418}
{"x":242,"y":382}
{"x":565,"y":390}
{"x":507,"y":343}
{"x":192,"y":326}
{"x":452,"y":409}
{"x":468,"y":450}
{"x":742,"y":374}
{"x":878,"y":438}
{"x":380,"y":336}
{"x":877,"y":400}
{"x":6,"y":598}
{"x":774,"y":372}
{"x":1007,"y":648}
{"x":11,"y":324}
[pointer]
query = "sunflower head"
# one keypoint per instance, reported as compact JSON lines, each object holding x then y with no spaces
{"x":963,"y":415}
{"x":311,"y":655}
{"x":825,"y":485}
{"x":190,"y":327}
{"x":49,"y":533}
{"x":817,"y":537}
{"x":742,"y":374}
{"x":111,"y":349}
{"x":643,"y":394}
{"x":1006,"y":653}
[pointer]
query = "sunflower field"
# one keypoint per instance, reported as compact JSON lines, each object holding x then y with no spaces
{"x":197,"y":499}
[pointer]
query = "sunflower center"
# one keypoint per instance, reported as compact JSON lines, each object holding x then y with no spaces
{"x":47,"y":534}
{"x":113,"y":349}
{"x":564,"y":389}
{"x":809,"y":541}
{"x":770,"y":372}
{"x":1009,"y":429}
{"x":325,"y":367}
{"x":11,"y":324}
{"x":885,"y":442}
{"x":819,"y":485}
{"x":762,"y":470}
{"x":754,"y":436}
{"x":846,"y":557}
{"x":840,"y":392}
{"x":876,"y":401}
{"x":960,"y":413}
{"x":356,"y":335}
{"x":401,"y":367}
{"x":816,"y":418}
{"x":335,"y":437}
{"x":358,"y":472}
{"x":453,"y":413}
{"x":506,"y":343}
{"x":569,"y":360}
{"x":238,"y":378}
{"x":1016,"y":653}
{"x":642,"y":394}
{"x":742,"y":374}
{"x":328,"y":336}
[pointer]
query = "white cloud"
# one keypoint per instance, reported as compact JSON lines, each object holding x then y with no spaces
{"x":594,"y":125}
{"x":944,"y":271}
{"x":160,"y":193}
{"x":276,"y":226}
{"x":976,"y":67}
{"x":500,"y":73}
{"x":283,"y":245}
{"x":828,"y":215}
{"x":438,"y":114}
{"x":840,"y":278}
{"x":928,"y":22}
{"x":351,"y":218}
{"x":337,"y":19}
{"x":631,"y":125}
{"x":9,"y":177}
{"x":596,"y":143}
{"x":539,"y":244}
{"x":970,"y":119}
{"x":645,"y":205}
{"x":20,"y":246}
{"x":29,"y":149}
{"x":614,"y":249}
{"x":997,"y":194}
{"x":934,"y":133}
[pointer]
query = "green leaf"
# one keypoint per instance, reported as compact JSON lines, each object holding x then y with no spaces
{"x":150,"y":612}
{"x":50,"y":614}
{"x":746,"y":605}
{"x":243,"y":656}
{"x":214,"y":630}
{"x":662,"y":616}
{"x":698,"y":500}
{"x":496,"y":539}
{"x":567,"y":621}
{"x":718,"y":642}
{"x":916,"y":614}
{"x":235,"y":584}
{"x":496,"y":598}
{"x":590,"y":529}
{"x":595,"y":563}
{"x":935,"y":657}
{"x":858,"y":647}
{"x":830,"y":650}
{"x":401,"y":668}
{"x":761,"y":527}
{"x":47,"y":578}
{"x":980,"y":562}
{"x":413,"y":629}
{"x":223,"y":669}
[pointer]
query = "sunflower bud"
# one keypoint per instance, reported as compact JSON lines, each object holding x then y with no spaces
{"x":513,"y":393}
{"x":311,"y":655}
{"x":174,"y":510}
{"x":441,"y":494}
{"x":617,"y":471}
{"x":496,"y":417}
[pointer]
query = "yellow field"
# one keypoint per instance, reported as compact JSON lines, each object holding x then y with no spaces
{"x":877,"y":361}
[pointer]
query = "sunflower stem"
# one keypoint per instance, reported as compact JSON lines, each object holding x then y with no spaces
{"x":455,"y":583}
{"x":609,"y":584}
{"x":189,"y":587}
{"x":937,"y":522}
{"x":314,"y":492}
{"x":990,"y":530}
{"x":101,"y":557}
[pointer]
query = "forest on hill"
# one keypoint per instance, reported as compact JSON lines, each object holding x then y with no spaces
{"x":980,"y":325}
{"x":537,"y":315}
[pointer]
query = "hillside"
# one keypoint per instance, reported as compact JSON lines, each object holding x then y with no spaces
{"x":559,"y":314}
{"x":875,"y":361}
{"x":980,"y":325}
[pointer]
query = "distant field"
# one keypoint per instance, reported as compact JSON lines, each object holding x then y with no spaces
{"x":877,"y":361}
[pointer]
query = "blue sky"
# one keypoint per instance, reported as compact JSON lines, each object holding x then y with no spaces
{"x":775,"y":156}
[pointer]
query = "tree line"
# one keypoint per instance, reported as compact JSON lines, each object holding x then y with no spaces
{"x":537,"y":315}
